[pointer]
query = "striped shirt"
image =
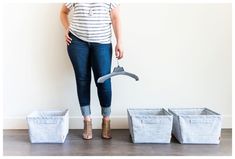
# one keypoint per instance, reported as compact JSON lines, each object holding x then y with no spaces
{"x":91,"y":22}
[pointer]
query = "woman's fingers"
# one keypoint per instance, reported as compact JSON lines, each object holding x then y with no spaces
{"x":119,"y":51}
{"x":119,"y":54}
{"x":68,"y":42}
{"x":68,"y":39}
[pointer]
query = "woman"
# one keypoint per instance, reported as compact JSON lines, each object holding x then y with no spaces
{"x":88,"y":39}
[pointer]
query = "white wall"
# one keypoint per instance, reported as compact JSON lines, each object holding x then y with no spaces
{"x":181,"y":52}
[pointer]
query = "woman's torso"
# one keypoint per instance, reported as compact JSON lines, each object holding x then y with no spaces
{"x":91,"y":22}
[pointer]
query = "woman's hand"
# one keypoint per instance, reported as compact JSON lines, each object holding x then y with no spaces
{"x":119,"y":51}
{"x":67,"y":38}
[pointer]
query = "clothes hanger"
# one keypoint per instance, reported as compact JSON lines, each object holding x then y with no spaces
{"x":117,"y":71}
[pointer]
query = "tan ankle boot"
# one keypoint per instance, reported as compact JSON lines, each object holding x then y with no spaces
{"x":106,"y":130}
{"x":87,"y":132}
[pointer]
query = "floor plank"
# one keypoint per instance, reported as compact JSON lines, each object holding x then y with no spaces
{"x":16,"y":143}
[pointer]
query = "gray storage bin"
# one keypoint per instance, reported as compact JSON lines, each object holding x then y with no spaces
{"x":48,"y":126}
{"x":150,"y":125}
{"x":196,"y":125}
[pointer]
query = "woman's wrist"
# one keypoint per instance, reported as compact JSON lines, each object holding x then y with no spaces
{"x":119,"y":41}
{"x":66,"y":28}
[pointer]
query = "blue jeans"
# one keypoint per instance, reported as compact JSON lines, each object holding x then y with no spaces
{"x":84,"y":57}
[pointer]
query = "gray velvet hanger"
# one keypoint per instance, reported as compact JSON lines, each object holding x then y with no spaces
{"x":117,"y":71}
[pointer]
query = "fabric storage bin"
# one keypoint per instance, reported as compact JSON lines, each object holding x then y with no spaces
{"x":196,"y":125}
{"x":48,"y":126}
{"x":150,"y":125}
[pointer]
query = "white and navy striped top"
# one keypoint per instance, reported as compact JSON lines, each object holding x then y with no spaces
{"x":91,"y":22}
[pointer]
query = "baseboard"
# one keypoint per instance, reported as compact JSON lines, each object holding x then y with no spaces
{"x":76,"y":122}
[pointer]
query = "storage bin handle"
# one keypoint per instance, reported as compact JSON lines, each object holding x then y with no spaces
{"x":150,"y":121}
{"x":47,"y":121}
{"x":201,"y":121}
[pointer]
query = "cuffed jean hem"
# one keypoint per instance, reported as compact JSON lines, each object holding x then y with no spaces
{"x":106,"y":111}
{"x":86,"y":111}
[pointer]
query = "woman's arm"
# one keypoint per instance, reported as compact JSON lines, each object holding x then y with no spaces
{"x":116,"y":22}
{"x":65,"y":22}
